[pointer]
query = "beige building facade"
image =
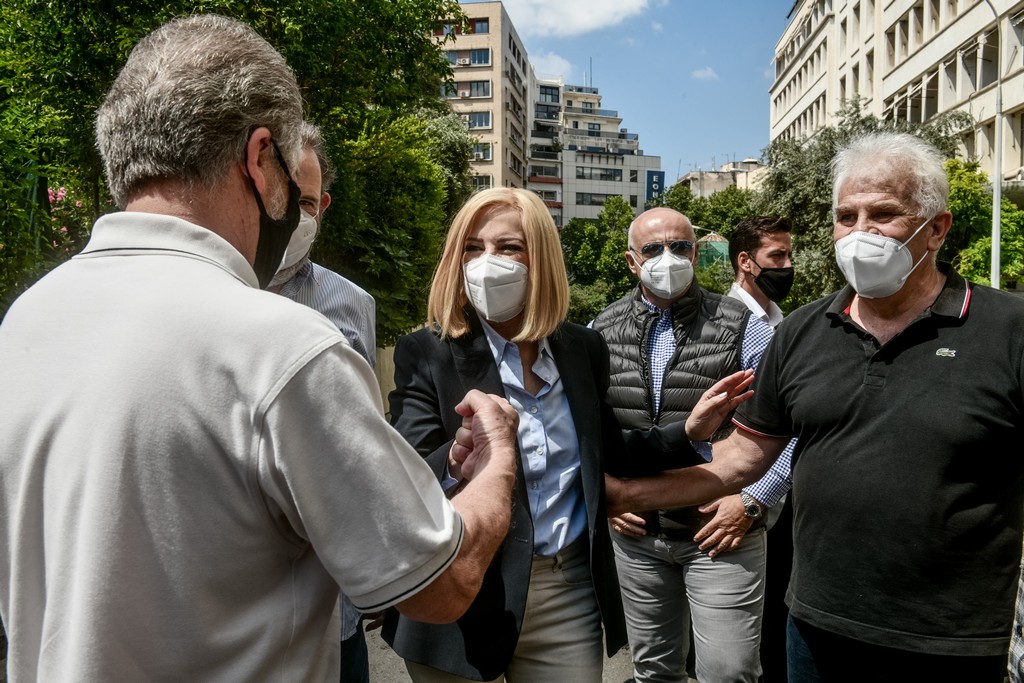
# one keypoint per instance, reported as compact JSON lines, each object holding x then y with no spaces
{"x":540,"y":133}
{"x":906,"y":60}
{"x":490,"y":92}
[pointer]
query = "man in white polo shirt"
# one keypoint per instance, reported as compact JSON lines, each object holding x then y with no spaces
{"x":191,"y":466}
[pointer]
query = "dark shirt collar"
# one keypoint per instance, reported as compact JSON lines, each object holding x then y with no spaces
{"x":952,"y":301}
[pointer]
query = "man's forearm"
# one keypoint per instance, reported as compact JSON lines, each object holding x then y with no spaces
{"x":485,"y":505}
{"x":739,"y":460}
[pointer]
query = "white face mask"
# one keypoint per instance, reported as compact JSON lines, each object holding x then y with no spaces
{"x":496,"y":287}
{"x":876,"y":266}
{"x":300,"y":242}
{"x":667,"y":275}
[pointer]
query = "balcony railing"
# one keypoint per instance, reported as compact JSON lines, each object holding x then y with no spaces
{"x":581,"y":88}
{"x":610,"y":113}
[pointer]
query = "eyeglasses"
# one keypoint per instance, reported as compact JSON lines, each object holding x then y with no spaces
{"x":653,"y":249}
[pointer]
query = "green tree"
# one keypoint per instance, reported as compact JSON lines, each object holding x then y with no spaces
{"x":594,"y":255}
{"x":969,"y":242}
{"x":365,"y":67}
{"x":797,"y":184}
{"x":390,"y":244}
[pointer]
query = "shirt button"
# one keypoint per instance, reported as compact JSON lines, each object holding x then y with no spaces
{"x":540,"y":451}
{"x":533,"y":410}
{"x":533,"y":485}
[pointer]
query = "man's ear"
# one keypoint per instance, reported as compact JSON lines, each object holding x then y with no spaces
{"x":258,"y":152}
{"x":325,"y":201}
{"x":744,"y":262}
{"x":939,"y":229}
{"x":634,"y":267}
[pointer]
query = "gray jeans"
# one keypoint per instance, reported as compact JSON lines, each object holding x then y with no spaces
{"x":666,"y":583}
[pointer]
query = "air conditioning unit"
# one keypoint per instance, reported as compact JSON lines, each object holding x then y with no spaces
{"x":463,"y":62}
{"x":478,"y":156}
{"x":463,"y":93}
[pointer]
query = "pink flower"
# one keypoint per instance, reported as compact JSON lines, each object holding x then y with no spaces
{"x":64,"y":229}
{"x":78,"y":204}
{"x":49,"y":191}
{"x":61,"y":193}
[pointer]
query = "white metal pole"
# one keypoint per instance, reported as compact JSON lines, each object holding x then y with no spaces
{"x":997,"y":170}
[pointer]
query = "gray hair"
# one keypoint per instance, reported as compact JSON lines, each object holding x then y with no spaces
{"x":890,"y":154}
{"x":313,"y":140}
{"x":186,"y":102}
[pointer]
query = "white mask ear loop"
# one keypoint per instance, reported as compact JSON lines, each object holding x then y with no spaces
{"x":923,"y":256}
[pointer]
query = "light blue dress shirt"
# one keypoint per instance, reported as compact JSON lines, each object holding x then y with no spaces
{"x":548,"y":446}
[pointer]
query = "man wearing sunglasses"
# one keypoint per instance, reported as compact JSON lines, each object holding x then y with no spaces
{"x":670,"y":341}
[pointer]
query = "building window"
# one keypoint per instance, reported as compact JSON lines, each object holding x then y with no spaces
{"x":633,"y":175}
{"x":479,"y":119}
{"x":480,"y":57}
{"x":592,"y":198}
{"x":482,"y":151}
{"x":589,"y":173}
{"x":481,"y":182}
{"x":547,"y":112}
{"x":479,"y":26}
{"x":477,"y":89}
{"x":515,"y":164}
{"x":549,"y":94}
{"x":544,"y":171}
{"x":452,"y":56}
{"x":632,"y":200}
{"x":594,"y":130}
{"x":575,"y":124}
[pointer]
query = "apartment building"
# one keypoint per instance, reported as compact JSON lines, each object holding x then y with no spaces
{"x":540,"y":133}
{"x":908,"y":60}
{"x":490,"y":92}
{"x":580,"y":155}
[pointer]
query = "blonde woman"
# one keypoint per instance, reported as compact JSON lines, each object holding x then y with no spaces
{"x":497,"y":311}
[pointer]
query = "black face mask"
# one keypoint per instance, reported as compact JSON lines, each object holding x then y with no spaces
{"x":774,"y":282}
{"x":275,"y":232}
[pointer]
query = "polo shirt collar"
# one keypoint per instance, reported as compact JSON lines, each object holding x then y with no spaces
{"x":134,"y":232}
{"x":953,"y":301}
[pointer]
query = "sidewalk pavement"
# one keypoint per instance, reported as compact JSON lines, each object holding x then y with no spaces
{"x":387,"y":667}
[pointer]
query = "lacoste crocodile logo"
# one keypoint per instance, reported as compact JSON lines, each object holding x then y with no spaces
{"x":946,"y":353}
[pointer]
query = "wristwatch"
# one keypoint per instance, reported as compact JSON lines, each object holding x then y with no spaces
{"x":751,"y":508}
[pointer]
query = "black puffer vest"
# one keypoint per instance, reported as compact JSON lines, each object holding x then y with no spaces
{"x":708,"y":330}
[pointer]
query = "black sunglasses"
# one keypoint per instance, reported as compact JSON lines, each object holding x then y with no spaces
{"x":653,"y":249}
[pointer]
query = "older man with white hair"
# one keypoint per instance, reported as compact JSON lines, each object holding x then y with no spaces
{"x":906,"y":392}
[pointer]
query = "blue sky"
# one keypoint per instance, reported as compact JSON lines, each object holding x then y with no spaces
{"x":691,"y":77}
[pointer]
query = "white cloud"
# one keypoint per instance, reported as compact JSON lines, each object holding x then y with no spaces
{"x":657,"y":27}
{"x":564,"y":18}
{"x":705,"y":74}
{"x":550,"y":65}
{"x":629,"y":41}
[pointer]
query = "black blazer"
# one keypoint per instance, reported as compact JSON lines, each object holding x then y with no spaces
{"x":433,"y":375}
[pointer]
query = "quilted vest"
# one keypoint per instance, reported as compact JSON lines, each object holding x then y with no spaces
{"x":708,"y":330}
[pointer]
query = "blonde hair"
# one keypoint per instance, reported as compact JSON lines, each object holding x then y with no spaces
{"x":547,"y":288}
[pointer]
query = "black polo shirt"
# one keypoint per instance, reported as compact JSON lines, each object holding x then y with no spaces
{"x":908,"y":476}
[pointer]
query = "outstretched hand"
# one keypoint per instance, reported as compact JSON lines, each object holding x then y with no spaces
{"x":489,"y":425}
{"x":717,"y":403}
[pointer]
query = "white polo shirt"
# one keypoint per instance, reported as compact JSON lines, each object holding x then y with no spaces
{"x":188,"y":468}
